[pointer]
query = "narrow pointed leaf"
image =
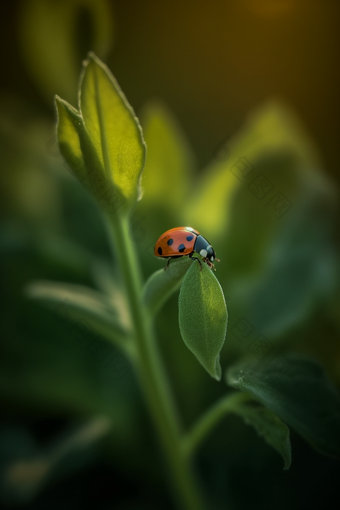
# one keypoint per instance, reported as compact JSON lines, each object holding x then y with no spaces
{"x":270,"y":427}
{"x":76,"y":147}
{"x":299,"y":392}
{"x":163,"y":283}
{"x":203,"y":317}
{"x":112,"y":127}
{"x":69,"y":126}
{"x":83,"y":306}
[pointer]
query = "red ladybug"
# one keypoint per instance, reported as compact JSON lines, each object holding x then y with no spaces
{"x":182,"y":241}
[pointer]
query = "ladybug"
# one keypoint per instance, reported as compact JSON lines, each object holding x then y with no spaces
{"x":184,"y":241}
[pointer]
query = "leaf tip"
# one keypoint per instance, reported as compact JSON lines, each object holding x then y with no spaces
{"x":57,"y":102}
{"x":218,"y":369}
{"x":287,"y":461}
{"x":92,"y":56}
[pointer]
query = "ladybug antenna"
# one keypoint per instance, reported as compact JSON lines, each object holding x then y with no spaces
{"x":218,"y":260}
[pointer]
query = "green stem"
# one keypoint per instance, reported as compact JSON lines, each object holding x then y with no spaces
{"x":209,"y":420}
{"x":151,"y":372}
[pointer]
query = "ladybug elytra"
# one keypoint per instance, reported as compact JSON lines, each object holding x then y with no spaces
{"x":184,"y":241}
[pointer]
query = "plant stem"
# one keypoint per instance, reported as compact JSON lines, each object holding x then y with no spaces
{"x":151,"y":372}
{"x":209,"y":420}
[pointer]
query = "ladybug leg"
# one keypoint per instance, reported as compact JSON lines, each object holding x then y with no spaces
{"x":198,"y":260}
{"x":195,"y":258}
{"x":210,"y":265}
{"x":167,"y":264}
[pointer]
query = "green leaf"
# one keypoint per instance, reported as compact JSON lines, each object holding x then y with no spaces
{"x":81,"y":305}
{"x":270,"y":427}
{"x":112,"y":127}
{"x":163,"y":283}
{"x":299,"y":392}
{"x":80,"y":155}
{"x":203,"y":317}
{"x":167,"y":175}
{"x":103,"y":143}
{"x":70,"y":130}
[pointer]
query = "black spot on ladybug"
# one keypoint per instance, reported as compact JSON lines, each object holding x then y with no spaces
{"x":170,"y":241}
{"x":181,"y":248}
{"x":190,"y":238}
{"x":160,"y":251}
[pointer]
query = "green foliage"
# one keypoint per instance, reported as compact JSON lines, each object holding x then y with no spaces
{"x":104,"y":139}
{"x":74,"y":143}
{"x":270,"y":140}
{"x":103,"y":142}
{"x":168,"y":172}
{"x":276,"y":267}
{"x":299,"y":392}
{"x":112,"y":127}
{"x":270,"y":427}
{"x":84,"y":306}
{"x":203,"y":317}
{"x":265,"y":422}
{"x":276,"y":270}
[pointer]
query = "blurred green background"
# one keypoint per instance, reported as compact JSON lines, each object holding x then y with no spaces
{"x":239,"y":105}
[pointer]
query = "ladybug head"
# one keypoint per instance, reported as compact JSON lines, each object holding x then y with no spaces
{"x":204,"y":248}
{"x":211,"y":255}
